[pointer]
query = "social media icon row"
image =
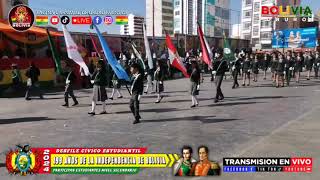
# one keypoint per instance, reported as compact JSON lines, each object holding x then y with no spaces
{"x":77,"y":20}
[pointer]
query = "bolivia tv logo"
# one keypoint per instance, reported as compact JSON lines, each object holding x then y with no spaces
{"x":21,"y":18}
{"x":287,"y":12}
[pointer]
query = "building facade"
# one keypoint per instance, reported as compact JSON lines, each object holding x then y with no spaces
{"x":159,"y":17}
{"x":134,"y":26}
{"x":212,"y":15}
{"x":259,"y":29}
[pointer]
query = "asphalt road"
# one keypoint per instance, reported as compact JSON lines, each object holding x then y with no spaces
{"x":229,"y":128}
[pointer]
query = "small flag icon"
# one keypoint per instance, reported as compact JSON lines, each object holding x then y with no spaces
{"x":41,"y":20}
{"x":121,"y":20}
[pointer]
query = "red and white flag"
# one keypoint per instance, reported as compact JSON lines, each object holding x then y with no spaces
{"x":174,"y":57}
{"x":204,"y":47}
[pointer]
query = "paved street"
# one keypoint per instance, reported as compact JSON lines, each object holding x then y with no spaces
{"x":252,"y":121}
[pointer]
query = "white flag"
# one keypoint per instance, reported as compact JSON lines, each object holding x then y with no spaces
{"x":147,"y":48}
{"x":73,"y":52}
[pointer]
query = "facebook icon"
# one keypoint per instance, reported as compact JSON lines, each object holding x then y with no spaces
{"x":97,"y":20}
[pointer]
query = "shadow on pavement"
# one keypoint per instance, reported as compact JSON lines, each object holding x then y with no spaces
{"x":258,"y":97}
{"x":154,"y":110}
{"x":203,"y":119}
{"x":24,"y":119}
{"x":232,"y":104}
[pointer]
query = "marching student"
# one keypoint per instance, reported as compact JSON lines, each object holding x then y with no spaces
{"x":265,"y":65}
{"x":316,"y":65}
{"x":280,"y":71}
{"x":99,"y":81}
{"x":308,"y":64}
{"x":274,"y":65}
{"x":298,"y":67}
{"x":195,"y":82}
{"x":136,"y":91}
{"x":70,"y":79}
{"x":289,"y":68}
{"x":247,"y":66}
{"x":159,"y":78}
{"x":116,"y":87}
{"x":220,"y":66}
{"x":235,"y":67}
{"x":33,"y":74}
{"x":255,"y":68}
{"x":150,"y":78}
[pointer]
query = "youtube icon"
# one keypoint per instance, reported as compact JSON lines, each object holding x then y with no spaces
{"x":81,"y":20}
{"x":54,"y":20}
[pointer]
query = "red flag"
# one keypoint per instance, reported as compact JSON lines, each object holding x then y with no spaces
{"x":94,"y":44}
{"x":205,"y":51}
{"x":174,"y":57}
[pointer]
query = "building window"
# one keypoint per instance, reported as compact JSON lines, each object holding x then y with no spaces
{"x":247,"y":2}
{"x":246,"y":26}
{"x":177,"y":13}
{"x":265,"y":35}
{"x":256,"y":7}
{"x":266,"y":1}
{"x":255,"y":31}
{"x":247,"y":14}
{"x":247,"y":36}
{"x":177,"y":2}
{"x":167,"y":18}
{"x":256,"y":19}
{"x":168,"y":4}
{"x":265,"y":24}
{"x":168,"y":11}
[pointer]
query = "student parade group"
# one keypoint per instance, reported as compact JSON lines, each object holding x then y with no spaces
{"x":283,"y":67}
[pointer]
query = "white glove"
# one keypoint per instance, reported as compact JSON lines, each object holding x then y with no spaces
{"x":139,"y":97}
{"x":67,"y":81}
{"x":198,"y":87}
{"x":291,"y":68}
{"x":160,"y":82}
{"x":92,"y":81}
{"x":145,"y":73}
{"x":249,"y":70}
{"x":214,"y":72}
{"x":233,"y":68}
{"x":318,"y":64}
{"x":284,"y":72}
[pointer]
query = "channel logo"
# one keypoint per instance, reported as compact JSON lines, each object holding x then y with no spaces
{"x":82,"y":20}
{"x":97,"y":20}
{"x":65,"y":20}
{"x":21,"y":18}
{"x":108,"y":20}
{"x":54,"y":20}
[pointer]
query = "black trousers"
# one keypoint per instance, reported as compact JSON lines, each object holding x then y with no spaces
{"x":134,"y":106}
{"x":316,"y":71}
{"x":218,"y":82}
{"x":69,"y":91}
{"x":34,"y":88}
{"x":235,"y":78}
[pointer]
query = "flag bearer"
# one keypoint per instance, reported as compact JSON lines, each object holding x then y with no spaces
{"x":70,"y":79}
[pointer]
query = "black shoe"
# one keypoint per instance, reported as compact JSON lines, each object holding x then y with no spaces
{"x":243,"y":85}
{"x":233,"y":87}
{"x":136,"y":121}
{"x":66,"y":105}
{"x":28,"y":99}
{"x":221,"y":98}
{"x":308,"y":79}
{"x":92,"y":113}
{"x":216,"y":100}
{"x":41,"y":97}
{"x":146,"y":92}
{"x":120,"y":97}
{"x":192,"y":106}
{"x":197,"y":104}
{"x":104,"y":112}
{"x":237,"y":85}
{"x":158,"y":101}
{"x":76,"y":103}
{"x":248,"y":84}
{"x":111,"y":98}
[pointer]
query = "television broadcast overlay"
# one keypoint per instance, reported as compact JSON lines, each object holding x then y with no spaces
{"x":28,"y":160}
{"x":265,"y":164}
{"x":159,"y":89}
